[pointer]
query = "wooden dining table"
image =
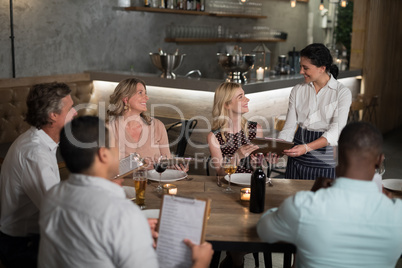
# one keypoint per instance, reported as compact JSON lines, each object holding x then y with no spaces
{"x":231,"y":226}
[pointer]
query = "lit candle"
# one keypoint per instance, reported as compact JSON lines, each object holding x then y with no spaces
{"x":245,"y":194}
{"x":260,"y":74}
{"x":173,"y":191}
{"x":170,"y":189}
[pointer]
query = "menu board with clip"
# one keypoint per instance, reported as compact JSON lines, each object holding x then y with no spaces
{"x":180,"y":218}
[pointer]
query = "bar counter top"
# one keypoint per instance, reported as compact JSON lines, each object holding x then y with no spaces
{"x":208,"y":85}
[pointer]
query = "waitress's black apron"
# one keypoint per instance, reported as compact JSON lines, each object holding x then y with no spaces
{"x":314,"y":164}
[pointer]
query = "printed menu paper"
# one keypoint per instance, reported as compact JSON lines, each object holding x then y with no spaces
{"x":180,"y":218}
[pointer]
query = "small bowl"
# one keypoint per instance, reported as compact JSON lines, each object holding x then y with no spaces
{"x":167,"y":63}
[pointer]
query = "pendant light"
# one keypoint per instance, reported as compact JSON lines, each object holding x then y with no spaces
{"x":344,"y":3}
{"x":322,"y":5}
{"x":292,"y":3}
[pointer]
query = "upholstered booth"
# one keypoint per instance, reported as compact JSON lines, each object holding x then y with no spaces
{"x":13,"y":94}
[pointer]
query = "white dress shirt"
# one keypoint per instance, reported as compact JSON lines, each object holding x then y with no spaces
{"x":325,"y":111}
{"x":28,"y":171}
{"x":88,"y":222}
{"x":350,"y":224}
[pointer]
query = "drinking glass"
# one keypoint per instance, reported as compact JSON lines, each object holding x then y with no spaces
{"x":381,"y":168}
{"x":229,"y":165}
{"x":140,"y":184}
{"x":160,"y":166}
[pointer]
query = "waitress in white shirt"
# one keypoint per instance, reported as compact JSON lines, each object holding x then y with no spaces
{"x":318,"y":109}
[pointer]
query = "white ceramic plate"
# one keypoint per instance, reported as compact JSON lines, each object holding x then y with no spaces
{"x":168,"y":175}
{"x":240,"y":178}
{"x":130,"y":192}
{"x":151,"y":213}
{"x":393,"y":184}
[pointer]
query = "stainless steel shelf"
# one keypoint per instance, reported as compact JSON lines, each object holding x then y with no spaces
{"x":192,"y":12}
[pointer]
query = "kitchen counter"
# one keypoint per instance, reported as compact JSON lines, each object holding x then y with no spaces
{"x":205,"y":84}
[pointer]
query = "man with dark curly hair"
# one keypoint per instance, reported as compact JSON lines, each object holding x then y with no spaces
{"x":29,"y":170}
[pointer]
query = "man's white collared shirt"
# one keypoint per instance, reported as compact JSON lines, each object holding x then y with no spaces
{"x":28,"y":171}
{"x":88,"y":222}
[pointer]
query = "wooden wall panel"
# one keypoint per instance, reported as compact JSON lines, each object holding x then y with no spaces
{"x":358,"y":33}
{"x":382,"y":56}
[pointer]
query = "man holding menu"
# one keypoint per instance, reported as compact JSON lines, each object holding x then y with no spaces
{"x":87,"y":221}
{"x":349,"y":224}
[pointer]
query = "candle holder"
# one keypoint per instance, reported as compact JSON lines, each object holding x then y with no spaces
{"x":245,"y":194}
{"x":170,"y":189}
{"x":262,"y":61}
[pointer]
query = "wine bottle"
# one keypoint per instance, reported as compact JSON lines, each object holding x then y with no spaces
{"x":258,"y":180}
{"x":162,"y":4}
{"x":202,"y":2}
{"x":190,"y":4}
{"x":235,"y":51}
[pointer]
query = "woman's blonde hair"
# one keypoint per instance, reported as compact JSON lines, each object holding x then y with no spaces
{"x":220,"y":114}
{"x":125,"y":89}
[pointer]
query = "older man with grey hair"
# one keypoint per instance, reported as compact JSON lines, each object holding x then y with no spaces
{"x":29,"y":170}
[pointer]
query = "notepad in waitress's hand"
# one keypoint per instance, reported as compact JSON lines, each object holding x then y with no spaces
{"x":180,"y":218}
{"x":271,"y":145}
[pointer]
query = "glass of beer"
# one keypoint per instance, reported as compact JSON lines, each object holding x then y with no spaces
{"x":140,"y":184}
{"x":229,"y":165}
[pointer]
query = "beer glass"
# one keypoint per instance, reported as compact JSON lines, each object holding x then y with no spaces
{"x":229,"y":165}
{"x":140,"y":184}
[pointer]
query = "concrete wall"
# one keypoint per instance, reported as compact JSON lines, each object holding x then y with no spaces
{"x":59,"y":37}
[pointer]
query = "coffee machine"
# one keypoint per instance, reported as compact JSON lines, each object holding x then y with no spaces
{"x":294,"y":61}
{"x":282,"y":67}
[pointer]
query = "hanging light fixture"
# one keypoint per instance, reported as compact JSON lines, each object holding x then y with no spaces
{"x":292,"y":3}
{"x":322,"y":5}
{"x":344,"y":3}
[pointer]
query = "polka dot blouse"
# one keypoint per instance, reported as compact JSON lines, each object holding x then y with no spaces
{"x":234,"y":141}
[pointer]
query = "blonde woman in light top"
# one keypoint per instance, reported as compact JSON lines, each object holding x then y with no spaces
{"x":231,"y":132}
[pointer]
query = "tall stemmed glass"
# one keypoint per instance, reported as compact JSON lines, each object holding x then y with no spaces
{"x":229,"y":165}
{"x":381,"y":169}
{"x":160,"y":166}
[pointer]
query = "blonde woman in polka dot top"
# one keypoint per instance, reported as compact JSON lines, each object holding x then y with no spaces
{"x":231,"y":132}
